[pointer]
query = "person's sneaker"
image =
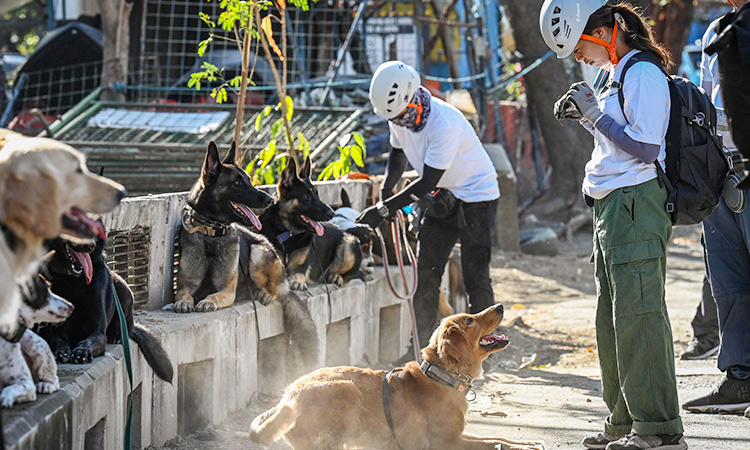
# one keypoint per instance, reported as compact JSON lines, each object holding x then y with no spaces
{"x":660,"y":441}
{"x":599,"y":440}
{"x":700,"y":348}
{"x":732,"y":396}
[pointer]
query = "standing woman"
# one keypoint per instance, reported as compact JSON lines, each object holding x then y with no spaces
{"x":631,"y":224}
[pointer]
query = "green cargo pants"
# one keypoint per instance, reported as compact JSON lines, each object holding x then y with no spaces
{"x":633,"y":333}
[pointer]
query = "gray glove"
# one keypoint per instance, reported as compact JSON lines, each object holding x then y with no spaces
{"x":584,"y":99}
{"x":565,"y":109}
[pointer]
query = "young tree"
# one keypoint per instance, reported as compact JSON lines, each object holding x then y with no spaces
{"x":568,"y":145}
{"x":115,"y":16}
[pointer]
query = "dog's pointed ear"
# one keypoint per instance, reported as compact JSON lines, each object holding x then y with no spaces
{"x":229,"y":159}
{"x":211,"y":164}
{"x":345,"y":202}
{"x":289,"y":175}
{"x":306,"y":169}
{"x":453,"y":346}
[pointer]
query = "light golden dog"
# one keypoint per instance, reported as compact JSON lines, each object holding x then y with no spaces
{"x":45,"y":191}
{"x":346,"y":406}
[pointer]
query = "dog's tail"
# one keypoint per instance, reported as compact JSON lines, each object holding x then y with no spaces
{"x":155,"y":355}
{"x":272,"y":424}
{"x":299,"y":324}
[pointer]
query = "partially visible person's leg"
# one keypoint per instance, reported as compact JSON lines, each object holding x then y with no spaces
{"x":633,"y":235}
{"x":476,"y":253}
{"x":436,"y":240}
{"x":727,"y":238}
{"x":705,"y":324}
{"x":619,"y":422}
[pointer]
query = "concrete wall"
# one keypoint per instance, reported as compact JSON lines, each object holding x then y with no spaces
{"x":218,"y":360}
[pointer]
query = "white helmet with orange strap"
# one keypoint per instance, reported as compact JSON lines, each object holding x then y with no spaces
{"x":562,"y":23}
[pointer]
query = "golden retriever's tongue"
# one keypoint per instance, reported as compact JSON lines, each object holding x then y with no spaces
{"x":249,"y":214}
{"x":94,"y":225}
{"x":84,"y":259}
{"x":492,"y":339}
{"x":319,"y":230}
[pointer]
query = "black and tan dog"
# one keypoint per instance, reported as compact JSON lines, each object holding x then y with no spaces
{"x":79,"y":273}
{"x":220,"y":257}
{"x":313,"y":251}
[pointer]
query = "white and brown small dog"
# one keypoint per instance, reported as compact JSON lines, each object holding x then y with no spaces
{"x":27,"y":365}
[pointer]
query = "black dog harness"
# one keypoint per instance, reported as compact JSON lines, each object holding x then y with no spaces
{"x":387,"y":404}
{"x":195,"y":223}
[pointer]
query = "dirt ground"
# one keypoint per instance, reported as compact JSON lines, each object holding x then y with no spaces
{"x":549,"y":304}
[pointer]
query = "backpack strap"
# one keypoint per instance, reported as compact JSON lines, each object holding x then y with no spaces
{"x":673,"y":129}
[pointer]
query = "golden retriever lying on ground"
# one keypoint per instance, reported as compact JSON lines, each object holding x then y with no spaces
{"x":338,"y":406}
{"x":45,"y":190}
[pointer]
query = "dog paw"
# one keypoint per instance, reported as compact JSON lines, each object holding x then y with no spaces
{"x":116,"y":340}
{"x":298,"y":285}
{"x":263,"y":297}
{"x":183,"y":307}
{"x":334,"y":278}
{"x":47,"y":387}
{"x":6,"y":400}
{"x":206,"y":306}
{"x":62,"y":356}
{"x":81,"y":355}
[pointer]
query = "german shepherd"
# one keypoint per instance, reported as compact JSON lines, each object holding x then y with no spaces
{"x":79,"y":273}
{"x":312,"y":250}
{"x":220,"y":256}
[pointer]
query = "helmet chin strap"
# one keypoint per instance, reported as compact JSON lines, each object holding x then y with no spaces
{"x":611,"y":46}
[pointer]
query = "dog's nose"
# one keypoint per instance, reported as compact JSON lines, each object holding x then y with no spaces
{"x":499,"y":308}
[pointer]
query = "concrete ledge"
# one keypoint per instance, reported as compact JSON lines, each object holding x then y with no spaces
{"x":218,"y":362}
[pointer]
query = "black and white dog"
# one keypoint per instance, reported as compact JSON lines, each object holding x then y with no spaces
{"x":28,"y":367}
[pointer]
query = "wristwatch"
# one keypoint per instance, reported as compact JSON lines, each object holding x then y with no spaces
{"x":382,"y":210}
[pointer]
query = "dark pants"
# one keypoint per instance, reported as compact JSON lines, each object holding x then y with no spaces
{"x":436,"y":240}
{"x":706,"y":322}
{"x":727,"y":250}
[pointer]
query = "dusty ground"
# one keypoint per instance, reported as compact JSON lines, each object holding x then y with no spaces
{"x":545,"y":384}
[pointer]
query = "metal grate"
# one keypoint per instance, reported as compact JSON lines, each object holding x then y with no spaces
{"x":128,"y":256}
{"x":147,"y":160}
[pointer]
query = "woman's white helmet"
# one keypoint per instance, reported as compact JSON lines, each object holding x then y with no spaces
{"x":393,"y":86}
{"x":562,"y":23}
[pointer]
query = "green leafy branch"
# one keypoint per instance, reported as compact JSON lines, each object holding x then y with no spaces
{"x":355,"y":153}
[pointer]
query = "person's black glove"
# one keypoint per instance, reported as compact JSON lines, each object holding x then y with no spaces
{"x":371,"y":217}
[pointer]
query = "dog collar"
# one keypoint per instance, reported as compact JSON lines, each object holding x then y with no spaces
{"x":283,"y":237}
{"x":452,"y":378}
{"x":195,"y":223}
{"x":10,"y":237}
{"x":16,"y":337}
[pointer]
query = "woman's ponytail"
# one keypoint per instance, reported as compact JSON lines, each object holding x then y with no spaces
{"x":635,"y":31}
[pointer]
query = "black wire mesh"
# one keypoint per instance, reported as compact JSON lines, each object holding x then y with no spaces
{"x":128,"y":256}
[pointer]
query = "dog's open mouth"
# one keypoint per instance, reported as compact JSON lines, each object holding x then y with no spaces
{"x":319,"y":230}
{"x":246,"y":214}
{"x":80,"y":263}
{"x":494,"y":342}
{"x":77,"y":224}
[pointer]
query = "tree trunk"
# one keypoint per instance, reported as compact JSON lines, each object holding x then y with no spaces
{"x":672,"y":26}
{"x":568,"y":144}
{"x":115,"y":16}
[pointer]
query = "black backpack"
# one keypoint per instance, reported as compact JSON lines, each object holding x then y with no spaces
{"x":696,"y":165}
